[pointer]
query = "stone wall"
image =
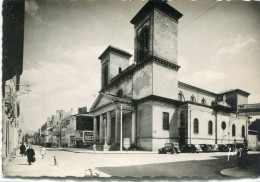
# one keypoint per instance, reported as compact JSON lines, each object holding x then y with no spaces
{"x":165,"y":82}
{"x":165,"y":37}
{"x":142,"y":82}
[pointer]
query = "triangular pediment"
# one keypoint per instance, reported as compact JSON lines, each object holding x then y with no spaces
{"x":100,"y":101}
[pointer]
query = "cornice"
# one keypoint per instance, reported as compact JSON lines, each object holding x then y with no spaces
{"x":192,"y":88}
{"x":135,"y":67}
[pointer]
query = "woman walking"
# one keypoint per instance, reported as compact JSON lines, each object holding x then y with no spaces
{"x":30,"y":155}
{"x":22,"y":149}
{"x":43,"y":152}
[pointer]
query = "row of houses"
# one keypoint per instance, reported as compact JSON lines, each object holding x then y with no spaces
{"x":12,"y":69}
{"x":65,"y":129}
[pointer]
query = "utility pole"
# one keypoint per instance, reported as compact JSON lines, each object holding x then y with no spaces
{"x":121,"y":128}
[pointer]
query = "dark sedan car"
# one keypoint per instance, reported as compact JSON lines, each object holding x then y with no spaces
{"x":222,"y":148}
{"x":169,"y":148}
{"x":205,"y":148}
{"x":189,"y":148}
{"x":230,"y":147}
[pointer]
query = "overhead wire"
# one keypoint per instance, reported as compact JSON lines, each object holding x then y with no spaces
{"x":208,"y":10}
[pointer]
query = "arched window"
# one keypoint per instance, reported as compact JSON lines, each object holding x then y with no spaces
{"x":143,"y":41}
{"x":203,"y":101}
{"x":120,"y":93}
{"x":119,"y":70}
{"x":196,"y":126}
{"x":192,"y":99}
{"x":243,"y":131}
{"x":210,"y":128}
{"x":223,"y":125}
{"x":105,"y":75}
{"x":233,"y":130}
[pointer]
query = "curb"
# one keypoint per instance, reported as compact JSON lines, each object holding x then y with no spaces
{"x":236,"y":171}
{"x":101,"y":152}
{"x":108,"y":152}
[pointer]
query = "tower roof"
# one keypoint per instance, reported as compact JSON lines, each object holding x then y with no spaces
{"x":235,"y":91}
{"x":157,"y":4}
{"x":115,"y":50}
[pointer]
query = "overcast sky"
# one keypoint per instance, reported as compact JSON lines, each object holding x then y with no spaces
{"x":217,"y":51}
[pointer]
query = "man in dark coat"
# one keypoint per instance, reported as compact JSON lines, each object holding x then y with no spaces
{"x":30,"y":155}
{"x":22,"y":149}
{"x":242,"y":157}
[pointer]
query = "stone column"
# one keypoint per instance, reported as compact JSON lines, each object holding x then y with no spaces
{"x":95,"y":129}
{"x":101,"y":126}
{"x":117,"y":126}
{"x":133,"y":128}
{"x":108,"y":127}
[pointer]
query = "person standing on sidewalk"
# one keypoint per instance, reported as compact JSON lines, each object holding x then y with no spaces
{"x":30,"y":155}
{"x":22,"y":149}
{"x":43,"y":151}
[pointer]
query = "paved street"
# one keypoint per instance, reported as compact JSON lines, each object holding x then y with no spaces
{"x":139,"y":165}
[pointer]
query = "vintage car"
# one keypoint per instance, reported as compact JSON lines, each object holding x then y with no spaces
{"x":169,"y":148}
{"x":205,"y":148}
{"x":198,"y":147}
{"x":214,"y":148}
{"x":222,"y":148}
{"x":231,"y":147}
{"x":189,"y":148}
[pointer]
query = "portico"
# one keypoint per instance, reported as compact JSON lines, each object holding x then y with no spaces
{"x":107,"y":119}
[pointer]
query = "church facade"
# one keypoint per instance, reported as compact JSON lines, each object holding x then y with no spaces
{"x":153,"y":106}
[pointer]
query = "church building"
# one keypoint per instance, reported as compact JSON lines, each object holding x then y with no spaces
{"x":147,"y":97}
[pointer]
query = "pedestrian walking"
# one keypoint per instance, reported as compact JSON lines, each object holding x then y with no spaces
{"x":242,"y":157}
{"x":30,"y":155}
{"x":22,"y":149}
{"x":43,"y":152}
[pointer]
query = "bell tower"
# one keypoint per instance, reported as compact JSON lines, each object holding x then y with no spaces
{"x":156,"y":30}
{"x":113,"y":62}
{"x":156,"y":33}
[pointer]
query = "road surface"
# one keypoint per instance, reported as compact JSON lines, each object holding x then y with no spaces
{"x":140,"y":165}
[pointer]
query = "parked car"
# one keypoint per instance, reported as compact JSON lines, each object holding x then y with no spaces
{"x":214,"y":148}
{"x":189,"y":148}
{"x":198,"y":148}
{"x":231,"y":147}
{"x":205,"y":148}
{"x":177,"y":148}
{"x":222,"y":148}
{"x":239,"y":145}
{"x":169,"y":148}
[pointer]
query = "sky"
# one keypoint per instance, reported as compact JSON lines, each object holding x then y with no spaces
{"x":218,"y":49}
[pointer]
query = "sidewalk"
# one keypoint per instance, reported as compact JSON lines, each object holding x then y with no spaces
{"x":18,"y":166}
{"x":249,"y":172}
{"x":80,"y":150}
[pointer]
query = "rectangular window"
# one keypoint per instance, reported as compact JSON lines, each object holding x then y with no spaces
{"x":165,"y":121}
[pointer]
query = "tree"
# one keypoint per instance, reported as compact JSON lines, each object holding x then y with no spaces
{"x":255,"y":125}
